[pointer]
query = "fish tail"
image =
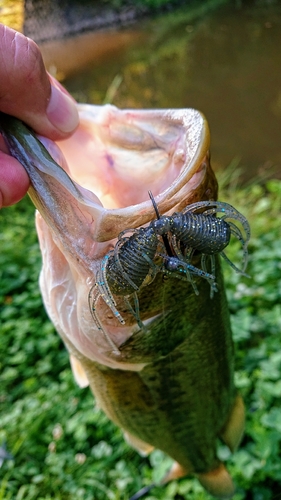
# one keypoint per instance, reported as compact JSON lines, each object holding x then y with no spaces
{"x":218,"y":482}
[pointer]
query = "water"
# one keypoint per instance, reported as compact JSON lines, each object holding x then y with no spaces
{"x":226,"y":64}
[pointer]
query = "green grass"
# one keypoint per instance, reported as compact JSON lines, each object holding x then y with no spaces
{"x":63,"y":447}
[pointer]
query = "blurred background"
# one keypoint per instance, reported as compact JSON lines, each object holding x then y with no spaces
{"x":221,"y":57}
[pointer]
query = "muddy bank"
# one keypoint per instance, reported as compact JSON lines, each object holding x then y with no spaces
{"x":46,"y":20}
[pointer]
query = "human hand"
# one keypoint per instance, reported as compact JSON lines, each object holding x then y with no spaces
{"x":33,"y":96}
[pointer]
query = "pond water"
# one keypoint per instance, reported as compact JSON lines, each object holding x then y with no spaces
{"x":225,"y":61}
{"x":226,"y":64}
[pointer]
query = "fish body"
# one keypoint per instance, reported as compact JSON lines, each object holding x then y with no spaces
{"x":168,"y":385}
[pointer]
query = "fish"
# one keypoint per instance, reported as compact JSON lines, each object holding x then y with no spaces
{"x":167,"y":380}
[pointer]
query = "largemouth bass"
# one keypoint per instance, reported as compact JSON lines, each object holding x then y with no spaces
{"x":165,"y":373}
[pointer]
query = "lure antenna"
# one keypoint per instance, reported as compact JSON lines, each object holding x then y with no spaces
{"x":164,"y":236}
{"x":154,"y":204}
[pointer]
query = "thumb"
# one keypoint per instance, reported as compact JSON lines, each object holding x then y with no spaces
{"x":27,"y":92}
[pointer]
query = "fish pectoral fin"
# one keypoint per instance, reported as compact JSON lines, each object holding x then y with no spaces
{"x":217,"y":482}
{"x":143,"y":448}
{"x":78,"y":372}
{"x":233,"y":430}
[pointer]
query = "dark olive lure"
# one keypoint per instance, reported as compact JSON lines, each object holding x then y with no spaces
{"x":167,"y":245}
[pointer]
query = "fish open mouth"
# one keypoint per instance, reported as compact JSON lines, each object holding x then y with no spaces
{"x":109,"y":166}
{"x":119,"y":155}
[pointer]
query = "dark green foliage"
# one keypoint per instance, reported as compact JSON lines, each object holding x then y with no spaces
{"x":64,"y":447}
{"x":255,"y":304}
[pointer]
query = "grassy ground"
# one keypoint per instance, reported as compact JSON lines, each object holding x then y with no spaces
{"x":63,"y":447}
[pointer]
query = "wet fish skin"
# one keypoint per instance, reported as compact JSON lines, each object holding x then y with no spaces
{"x":165,"y":388}
{"x":173,"y":385}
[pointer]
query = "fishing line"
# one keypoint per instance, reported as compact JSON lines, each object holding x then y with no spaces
{"x":142,"y":492}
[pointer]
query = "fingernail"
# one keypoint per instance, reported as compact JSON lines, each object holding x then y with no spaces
{"x":62,"y":111}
